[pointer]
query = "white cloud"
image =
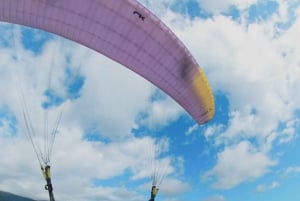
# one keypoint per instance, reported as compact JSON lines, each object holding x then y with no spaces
{"x":191,"y":129}
{"x":159,"y":7}
{"x":174,"y":187}
{"x":238,"y":164}
{"x":170,"y":189}
{"x":112,"y":194}
{"x":289,"y":131}
{"x":215,"y":198}
{"x":161,"y":112}
{"x":216,"y":7}
{"x":213,"y":130}
{"x":264,"y":187}
{"x":292,"y":170}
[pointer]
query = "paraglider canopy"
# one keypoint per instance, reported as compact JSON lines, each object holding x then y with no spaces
{"x":128,"y":33}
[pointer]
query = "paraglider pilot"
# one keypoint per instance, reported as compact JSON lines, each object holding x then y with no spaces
{"x":48,"y":186}
{"x":154,"y":191}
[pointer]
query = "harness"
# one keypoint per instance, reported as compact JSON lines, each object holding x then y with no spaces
{"x":154,"y":191}
{"x":48,"y":186}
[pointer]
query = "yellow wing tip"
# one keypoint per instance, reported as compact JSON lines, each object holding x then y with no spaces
{"x":205,"y":95}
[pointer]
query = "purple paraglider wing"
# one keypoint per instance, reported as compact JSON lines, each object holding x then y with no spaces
{"x":128,"y":33}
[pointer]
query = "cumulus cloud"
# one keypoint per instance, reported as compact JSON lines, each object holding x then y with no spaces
{"x":238,"y":164}
{"x":160,"y":112}
{"x":174,"y":187}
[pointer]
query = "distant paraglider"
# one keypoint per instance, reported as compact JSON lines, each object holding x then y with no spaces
{"x":128,"y":33}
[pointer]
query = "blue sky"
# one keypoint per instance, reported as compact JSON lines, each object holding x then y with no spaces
{"x":112,"y":118}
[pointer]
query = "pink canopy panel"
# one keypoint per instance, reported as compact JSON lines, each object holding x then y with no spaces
{"x":128,"y":33}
